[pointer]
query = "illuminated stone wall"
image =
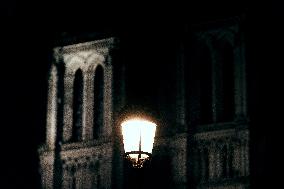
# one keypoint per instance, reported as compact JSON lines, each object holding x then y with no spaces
{"x":86,"y":163}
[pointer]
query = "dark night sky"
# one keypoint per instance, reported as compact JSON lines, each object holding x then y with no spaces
{"x":27,"y":42}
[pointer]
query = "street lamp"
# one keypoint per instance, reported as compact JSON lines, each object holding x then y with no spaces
{"x":138,"y":138}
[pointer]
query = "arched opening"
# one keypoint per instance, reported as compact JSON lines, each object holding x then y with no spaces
{"x":205,"y":70}
{"x":226,"y":102}
{"x":77,"y":106}
{"x":98,"y":108}
{"x":199,"y":88}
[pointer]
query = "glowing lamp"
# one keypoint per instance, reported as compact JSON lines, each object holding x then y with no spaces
{"x":138,"y":139}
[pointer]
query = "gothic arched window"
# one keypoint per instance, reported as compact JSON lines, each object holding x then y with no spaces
{"x":98,"y":110}
{"x":77,"y":106}
{"x":226,"y":102}
{"x":205,"y":69}
{"x":199,"y":84}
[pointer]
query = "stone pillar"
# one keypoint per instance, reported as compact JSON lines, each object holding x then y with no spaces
{"x":107,"y":130}
{"x":215,"y":73}
{"x":237,"y":160}
{"x":246,"y":157}
{"x":51,"y":108}
{"x":179,"y":160}
{"x":218,"y":160}
{"x":228,"y":158}
{"x":243,"y":159}
{"x":180,"y":97}
{"x":68,"y":106}
{"x":240,"y":81}
{"x":47,"y":170}
{"x":212,"y":153}
{"x":89,"y":105}
{"x":57,"y":175}
{"x":104,"y":173}
{"x":84,"y":106}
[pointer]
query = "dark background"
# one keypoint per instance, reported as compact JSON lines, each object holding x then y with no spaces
{"x":29,"y":33}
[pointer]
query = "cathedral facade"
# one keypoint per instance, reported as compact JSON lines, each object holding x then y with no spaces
{"x":194,"y":86}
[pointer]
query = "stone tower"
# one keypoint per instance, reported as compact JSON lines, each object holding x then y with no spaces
{"x":78,"y":150}
{"x":194,"y":84}
{"x":217,"y":106}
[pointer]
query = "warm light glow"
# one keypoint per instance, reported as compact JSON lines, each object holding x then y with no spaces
{"x":135,"y":131}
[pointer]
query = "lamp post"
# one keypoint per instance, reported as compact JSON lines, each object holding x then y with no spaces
{"x":138,"y":138}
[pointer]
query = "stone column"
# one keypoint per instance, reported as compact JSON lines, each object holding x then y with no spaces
{"x":57,"y":175}
{"x":180,"y":97}
{"x":237,"y":161}
{"x":215,"y":73}
{"x":179,"y":160}
{"x":218,"y":160}
{"x":51,"y":108}
{"x":212,"y":160}
{"x":228,"y":158}
{"x":78,"y":177}
{"x":89,"y":104}
{"x":47,"y":170}
{"x":107,"y":130}
{"x":243,"y":159}
{"x":84,"y":106}
{"x":240,"y":82}
{"x":68,"y":106}
{"x":246,"y":157}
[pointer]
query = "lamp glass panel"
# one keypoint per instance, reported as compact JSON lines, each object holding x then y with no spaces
{"x":148,"y":130}
{"x":135,"y":129}
{"x":131,"y":135}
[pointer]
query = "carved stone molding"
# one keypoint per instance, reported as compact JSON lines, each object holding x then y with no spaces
{"x":82,"y":161}
{"x":102,"y":47}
